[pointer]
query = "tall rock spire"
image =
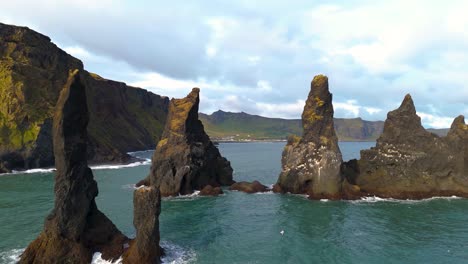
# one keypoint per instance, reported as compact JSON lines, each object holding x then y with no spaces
{"x":75,"y":228}
{"x":312,"y":163}
{"x":185,"y":159}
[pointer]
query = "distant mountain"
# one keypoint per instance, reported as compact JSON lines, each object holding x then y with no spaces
{"x":241,"y":126}
{"x":441,"y":132}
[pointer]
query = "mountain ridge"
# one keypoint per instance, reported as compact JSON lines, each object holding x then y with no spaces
{"x":239,"y":126}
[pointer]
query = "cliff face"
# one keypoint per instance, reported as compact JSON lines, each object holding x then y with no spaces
{"x":185,"y":159}
{"x":32,"y":72}
{"x":75,"y":228}
{"x":409,"y":162}
{"x":311,"y":164}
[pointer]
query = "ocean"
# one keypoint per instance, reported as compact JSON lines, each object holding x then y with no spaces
{"x":254,"y":228}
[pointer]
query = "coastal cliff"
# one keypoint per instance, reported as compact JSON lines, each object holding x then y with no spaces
{"x":32,"y":72}
{"x":311,"y":164}
{"x":75,"y":228}
{"x":185,"y":159}
{"x":409,"y":162}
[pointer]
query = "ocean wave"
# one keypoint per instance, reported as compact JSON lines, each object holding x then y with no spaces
{"x":46,"y":170}
{"x":120,"y":166}
{"x":96,"y":167}
{"x":376,"y":199}
{"x":187,"y":197}
{"x":97,"y":259}
{"x":11,"y":256}
{"x":174,"y":255}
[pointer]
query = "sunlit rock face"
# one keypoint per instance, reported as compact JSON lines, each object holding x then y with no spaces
{"x":311,"y":164}
{"x":185,"y":159}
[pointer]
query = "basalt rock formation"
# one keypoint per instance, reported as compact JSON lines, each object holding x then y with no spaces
{"x":145,"y":247}
{"x":33,"y":71}
{"x":211,"y":191}
{"x":249,"y":187}
{"x":311,"y":164}
{"x":410,"y":163}
{"x":185,"y":158}
{"x":75,"y":228}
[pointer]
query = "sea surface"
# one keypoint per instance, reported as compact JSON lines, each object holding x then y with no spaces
{"x":246,"y":228}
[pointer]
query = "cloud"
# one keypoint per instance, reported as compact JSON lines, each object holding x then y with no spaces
{"x":245,"y":56}
{"x":433,"y":121}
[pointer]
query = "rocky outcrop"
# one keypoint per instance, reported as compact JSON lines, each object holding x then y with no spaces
{"x":410,"y":163}
{"x":249,"y":187}
{"x":75,"y":228}
{"x":185,"y":159}
{"x":311,"y":164}
{"x":211,"y":191}
{"x":32,"y":72}
{"x":146,"y":209}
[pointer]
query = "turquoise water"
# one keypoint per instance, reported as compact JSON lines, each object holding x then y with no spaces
{"x":243,"y":228}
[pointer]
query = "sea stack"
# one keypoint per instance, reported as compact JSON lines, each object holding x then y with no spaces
{"x":185,"y":159}
{"x":75,"y":228}
{"x":146,"y":209}
{"x":311,"y":164}
{"x":409,"y":162}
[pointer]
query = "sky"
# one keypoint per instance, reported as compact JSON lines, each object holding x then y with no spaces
{"x":260,"y":56}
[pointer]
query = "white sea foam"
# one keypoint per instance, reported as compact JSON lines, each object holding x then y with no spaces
{"x":187,"y":197}
{"x":11,"y":257}
{"x":97,"y":259}
{"x":47,"y":170}
{"x":324,"y":200}
{"x":375,"y":199}
{"x":120,"y":166}
{"x":96,"y":167}
{"x":174,"y":255}
{"x":177,"y":255}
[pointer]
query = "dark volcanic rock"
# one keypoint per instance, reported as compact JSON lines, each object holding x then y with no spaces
{"x":33,"y":71}
{"x":147,"y":207}
{"x":311,"y":164}
{"x":211,"y":191}
{"x":410,"y":163}
{"x":249,"y":187}
{"x":185,"y":158}
{"x":75,"y":228}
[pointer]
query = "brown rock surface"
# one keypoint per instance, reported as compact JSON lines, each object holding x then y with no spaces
{"x":410,"y":163}
{"x":211,"y":191}
{"x":145,"y":247}
{"x":75,"y":228}
{"x":311,"y":164}
{"x":249,"y":187}
{"x":185,"y":159}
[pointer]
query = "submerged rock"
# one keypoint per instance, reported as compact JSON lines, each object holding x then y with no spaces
{"x":410,"y":163}
{"x":249,"y":187}
{"x":311,"y":164}
{"x":211,"y":191}
{"x":75,"y":228}
{"x":146,"y":209}
{"x":185,"y":158}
